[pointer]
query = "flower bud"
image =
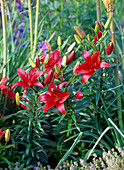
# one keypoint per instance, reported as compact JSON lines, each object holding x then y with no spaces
{"x":70,"y":48}
{"x":57,"y":69}
{"x":7,"y":135}
{"x":79,"y":32}
{"x":64,"y":61}
{"x":96,"y":28}
{"x":37,"y":63}
{"x":89,"y":37}
{"x":32,"y":63}
{"x":17,"y":98}
{"x":75,"y":67}
{"x":70,"y":57}
{"x":79,"y":95}
{"x":108,"y":23}
{"x":97,"y":23}
{"x":49,"y":77}
{"x":59,"y":41}
{"x":48,"y":45}
{"x":78,"y":40}
{"x":46,"y":59}
{"x":109,"y":48}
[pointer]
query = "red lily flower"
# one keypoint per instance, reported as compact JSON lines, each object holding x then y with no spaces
{"x":3,"y":82}
{"x":28,"y":80}
{"x":92,"y":64}
{"x":2,"y":133}
{"x":55,"y":97}
{"x":53,"y":60}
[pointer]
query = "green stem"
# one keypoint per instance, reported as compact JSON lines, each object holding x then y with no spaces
{"x":91,"y":44}
{"x":120,"y":119}
{"x":31,"y":24}
{"x":4,"y":38}
{"x":36,"y":28}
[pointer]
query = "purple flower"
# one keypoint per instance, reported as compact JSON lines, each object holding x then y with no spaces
{"x":43,"y":47}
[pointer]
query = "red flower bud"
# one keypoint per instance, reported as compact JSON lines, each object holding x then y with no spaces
{"x":99,"y":36}
{"x":75,"y":67}
{"x":79,"y":95}
{"x":37,"y":63}
{"x":49,"y":77}
{"x":70,"y":57}
{"x":97,"y":23}
{"x":109,"y":48}
{"x":79,"y":32}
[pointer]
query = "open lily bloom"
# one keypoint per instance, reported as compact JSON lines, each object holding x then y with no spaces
{"x":55,"y":97}
{"x":53,"y":60}
{"x":92,"y":64}
{"x":28,"y":80}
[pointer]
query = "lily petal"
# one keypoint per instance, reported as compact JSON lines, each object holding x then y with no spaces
{"x":61,"y":108}
{"x":51,"y":86}
{"x":60,"y":85}
{"x":44,"y":97}
{"x":95,"y":59}
{"x":22,"y":74}
{"x":86,"y":55}
{"x":63,"y":96}
{"x":83,"y":68}
{"x":37,"y":75}
{"x":49,"y":103}
{"x":37,"y":83}
{"x":32,"y":72}
{"x":104,"y":64}
{"x":19,"y":83}
{"x":86,"y":76}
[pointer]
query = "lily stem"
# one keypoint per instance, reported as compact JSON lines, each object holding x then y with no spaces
{"x":91,"y":44}
{"x":36,"y":28}
{"x":4,"y":38}
{"x":31,"y":24}
{"x":116,"y":73}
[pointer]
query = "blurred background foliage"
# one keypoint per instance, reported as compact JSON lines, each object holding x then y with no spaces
{"x":57,"y":17}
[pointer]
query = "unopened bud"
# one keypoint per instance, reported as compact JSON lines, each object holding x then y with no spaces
{"x":48,"y":45}
{"x":75,"y":67}
{"x":46,"y":59}
{"x":97,"y":23}
{"x":7,"y":135}
{"x":32,"y":63}
{"x":71,"y":47}
{"x":108,"y":23}
{"x":70,"y":57}
{"x":79,"y":32}
{"x":109,"y":48}
{"x":17,"y":98}
{"x":96,"y":28}
{"x":79,"y":95}
{"x":64,"y":61}
{"x":78,"y":40}
{"x":59,"y":41}
{"x":37,"y":63}
{"x":89,"y":37}
{"x":57,"y":69}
